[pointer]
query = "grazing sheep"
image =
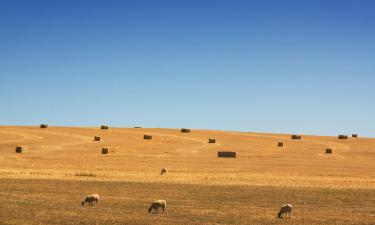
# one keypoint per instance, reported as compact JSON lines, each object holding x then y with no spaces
{"x":287,"y":209}
{"x":90,"y":199}
{"x":163,"y":171}
{"x":158,"y":204}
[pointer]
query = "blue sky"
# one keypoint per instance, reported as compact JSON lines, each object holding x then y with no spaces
{"x":265,"y":66}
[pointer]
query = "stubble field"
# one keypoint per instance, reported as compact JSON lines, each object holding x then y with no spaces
{"x":46,"y":183}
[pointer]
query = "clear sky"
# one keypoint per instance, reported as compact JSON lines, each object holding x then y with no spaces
{"x":265,"y":66}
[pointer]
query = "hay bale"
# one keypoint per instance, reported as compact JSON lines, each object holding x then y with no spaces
{"x":280,"y":144}
{"x":227,"y":154}
{"x":355,"y":135}
{"x":43,"y":125}
{"x":185,"y":130}
{"x":147,"y":137}
{"x":296,"y":137}
{"x":329,"y":151}
{"x":105,"y":151}
{"x":20,"y":149}
{"x":104,"y":127}
{"x":211,"y":140}
{"x":138,"y":127}
{"x":96,"y":138}
{"x":341,"y":136}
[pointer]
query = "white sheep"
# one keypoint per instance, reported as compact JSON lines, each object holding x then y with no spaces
{"x":90,"y":199}
{"x":158,"y":204}
{"x":163,"y":171}
{"x":285,"y":209}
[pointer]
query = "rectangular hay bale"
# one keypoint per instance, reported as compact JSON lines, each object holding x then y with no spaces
{"x":20,"y":149}
{"x":96,"y":138}
{"x":147,"y":137}
{"x":329,"y":151}
{"x":341,"y":136}
{"x":280,"y":144}
{"x":226,"y":154}
{"x":211,"y":140}
{"x":296,"y":137}
{"x":185,"y":130}
{"x":105,"y":151}
{"x":104,"y":127}
{"x":355,"y":135}
{"x":43,"y":125}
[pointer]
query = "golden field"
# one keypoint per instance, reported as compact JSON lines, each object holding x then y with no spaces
{"x":46,"y":183}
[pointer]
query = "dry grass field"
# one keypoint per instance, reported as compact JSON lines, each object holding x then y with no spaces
{"x":46,"y":183}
